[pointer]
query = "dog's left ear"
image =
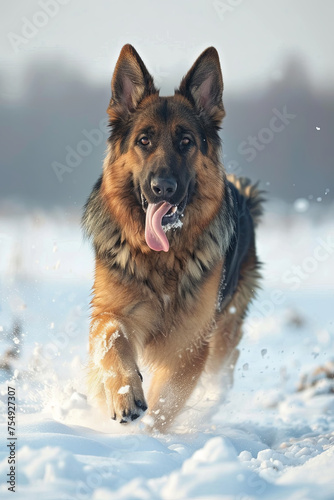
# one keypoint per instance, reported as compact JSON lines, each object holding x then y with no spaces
{"x":203,"y":86}
{"x":131,"y":82}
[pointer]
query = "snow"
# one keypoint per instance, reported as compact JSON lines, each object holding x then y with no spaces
{"x":175,"y":225}
{"x":124,"y":390}
{"x":102,"y":344}
{"x":271,"y":436}
{"x":301,"y":205}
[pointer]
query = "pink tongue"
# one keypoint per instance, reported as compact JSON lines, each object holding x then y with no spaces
{"x":154,"y":234}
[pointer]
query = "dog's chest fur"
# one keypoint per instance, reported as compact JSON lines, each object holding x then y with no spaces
{"x":178,"y":274}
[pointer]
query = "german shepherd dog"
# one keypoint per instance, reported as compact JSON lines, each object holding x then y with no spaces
{"x":176,"y":265}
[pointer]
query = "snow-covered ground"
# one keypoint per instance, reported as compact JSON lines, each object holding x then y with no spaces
{"x":270,"y":437}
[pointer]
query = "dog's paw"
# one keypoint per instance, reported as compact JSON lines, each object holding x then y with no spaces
{"x":125,"y":398}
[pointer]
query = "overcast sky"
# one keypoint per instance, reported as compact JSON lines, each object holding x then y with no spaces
{"x":253,"y":37}
{"x":259,"y":42}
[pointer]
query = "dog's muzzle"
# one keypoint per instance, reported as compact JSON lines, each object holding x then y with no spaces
{"x":160,"y":217}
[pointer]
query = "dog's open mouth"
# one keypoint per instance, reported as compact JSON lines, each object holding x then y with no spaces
{"x":159,"y":218}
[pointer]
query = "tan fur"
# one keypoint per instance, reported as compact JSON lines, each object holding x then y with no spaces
{"x":174,"y":342}
{"x":162,"y":309}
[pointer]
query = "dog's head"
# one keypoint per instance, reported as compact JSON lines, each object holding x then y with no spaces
{"x":163,"y":166}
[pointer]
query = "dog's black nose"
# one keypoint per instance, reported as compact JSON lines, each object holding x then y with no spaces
{"x":163,"y":187}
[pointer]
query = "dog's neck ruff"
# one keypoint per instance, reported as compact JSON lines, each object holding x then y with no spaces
{"x":207,"y":250}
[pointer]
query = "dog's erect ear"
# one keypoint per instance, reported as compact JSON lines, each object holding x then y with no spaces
{"x":203,"y":86}
{"x":131,"y":82}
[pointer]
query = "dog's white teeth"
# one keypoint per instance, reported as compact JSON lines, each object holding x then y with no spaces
{"x":171,"y":211}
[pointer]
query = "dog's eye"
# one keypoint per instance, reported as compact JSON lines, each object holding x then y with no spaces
{"x":144,"y":141}
{"x":185,"y":141}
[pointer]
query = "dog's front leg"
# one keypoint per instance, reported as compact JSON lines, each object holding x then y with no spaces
{"x":173,"y":384}
{"x":114,"y":376}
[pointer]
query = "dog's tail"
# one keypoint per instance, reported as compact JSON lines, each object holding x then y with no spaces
{"x":254,"y":196}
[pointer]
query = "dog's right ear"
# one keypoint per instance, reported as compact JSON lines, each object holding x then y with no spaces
{"x":131,"y":82}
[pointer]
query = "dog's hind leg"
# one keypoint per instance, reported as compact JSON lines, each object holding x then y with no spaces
{"x":222,"y":347}
{"x":223,"y":351}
